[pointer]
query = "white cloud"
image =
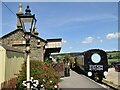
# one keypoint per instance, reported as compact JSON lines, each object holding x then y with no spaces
{"x":64,"y":41}
{"x":91,"y":39}
{"x":70,"y":47}
{"x":88,"y":40}
{"x":113,"y":35}
{"x":99,"y":39}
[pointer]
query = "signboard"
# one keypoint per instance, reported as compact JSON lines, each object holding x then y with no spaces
{"x":95,"y":67}
{"x":18,"y":42}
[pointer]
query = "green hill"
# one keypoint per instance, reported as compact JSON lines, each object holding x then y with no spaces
{"x":113,"y":56}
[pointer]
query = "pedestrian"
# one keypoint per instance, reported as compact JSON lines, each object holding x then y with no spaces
{"x":67,"y":67}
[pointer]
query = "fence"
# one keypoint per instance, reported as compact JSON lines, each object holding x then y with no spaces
{"x":10,"y":64}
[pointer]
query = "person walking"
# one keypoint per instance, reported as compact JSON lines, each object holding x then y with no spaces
{"x":67,"y":67}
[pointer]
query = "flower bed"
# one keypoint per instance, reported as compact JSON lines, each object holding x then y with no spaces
{"x":43,"y":72}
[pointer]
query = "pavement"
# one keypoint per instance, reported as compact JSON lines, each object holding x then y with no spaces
{"x":113,"y":78}
{"x":78,"y":81}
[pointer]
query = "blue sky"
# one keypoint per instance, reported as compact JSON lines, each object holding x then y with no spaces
{"x":81,"y":25}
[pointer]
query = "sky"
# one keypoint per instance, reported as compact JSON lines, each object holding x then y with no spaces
{"x":81,"y":25}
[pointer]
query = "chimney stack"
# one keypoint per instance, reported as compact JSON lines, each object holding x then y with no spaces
{"x":19,"y":13}
{"x":35,"y":32}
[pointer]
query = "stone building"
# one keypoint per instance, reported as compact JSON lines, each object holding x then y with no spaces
{"x":40,"y":48}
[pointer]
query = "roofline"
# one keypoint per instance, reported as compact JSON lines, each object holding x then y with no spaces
{"x":10,"y":33}
{"x":54,"y":39}
{"x":23,"y":32}
{"x":39,"y":38}
{"x":8,"y":48}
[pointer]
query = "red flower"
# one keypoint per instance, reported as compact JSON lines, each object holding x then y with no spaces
{"x":48,"y":77}
{"x":41,"y":75}
{"x":44,"y":86}
{"x":38,"y":66}
{"x":57,"y":85}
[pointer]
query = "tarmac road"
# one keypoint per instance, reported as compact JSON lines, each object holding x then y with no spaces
{"x":79,"y":81}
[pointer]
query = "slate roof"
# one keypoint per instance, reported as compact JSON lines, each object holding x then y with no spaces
{"x":12,"y":32}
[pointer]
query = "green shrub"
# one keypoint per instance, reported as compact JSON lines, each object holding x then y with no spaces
{"x":43,"y":72}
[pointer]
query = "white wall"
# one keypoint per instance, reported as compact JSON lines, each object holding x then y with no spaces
{"x":10,"y":63}
{"x":2,"y":65}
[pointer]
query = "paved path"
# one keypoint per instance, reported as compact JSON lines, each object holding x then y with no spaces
{"x":78,"y":81}
{"x":113,"y":76}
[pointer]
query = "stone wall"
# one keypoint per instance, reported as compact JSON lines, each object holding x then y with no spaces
{"x":15,"y":36}
{"x":37,"y":53}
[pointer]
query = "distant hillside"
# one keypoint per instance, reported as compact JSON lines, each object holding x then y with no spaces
{"x":113,"y":56}
{"x":72,"y":54}
{"x":79,"y":53}
{"x":113,"y":51}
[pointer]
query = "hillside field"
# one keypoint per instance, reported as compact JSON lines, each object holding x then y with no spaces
{"x":113,"y":56}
